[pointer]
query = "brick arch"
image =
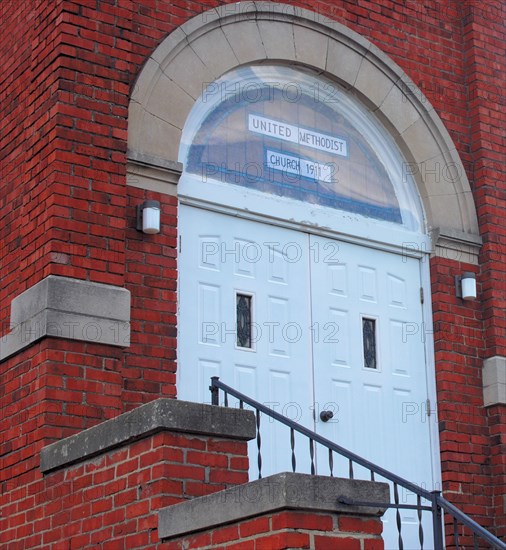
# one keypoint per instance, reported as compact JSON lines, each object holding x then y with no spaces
{"x":221,"y":39}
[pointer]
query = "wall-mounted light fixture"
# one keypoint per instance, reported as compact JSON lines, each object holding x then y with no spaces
{"x":465,"y":286}
{"x":148,"y":217}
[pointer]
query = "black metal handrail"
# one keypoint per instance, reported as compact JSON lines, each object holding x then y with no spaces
{"x":436,"y":500}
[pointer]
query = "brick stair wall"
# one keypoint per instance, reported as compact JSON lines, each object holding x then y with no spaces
{"x":290,"y":529}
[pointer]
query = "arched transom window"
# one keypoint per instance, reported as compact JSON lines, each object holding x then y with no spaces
{"x":288,"y":132}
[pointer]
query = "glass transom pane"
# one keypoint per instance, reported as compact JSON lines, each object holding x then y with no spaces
{"x":289,"y":133}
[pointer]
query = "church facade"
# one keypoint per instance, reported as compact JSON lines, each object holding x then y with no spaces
{"x":305,"y":199}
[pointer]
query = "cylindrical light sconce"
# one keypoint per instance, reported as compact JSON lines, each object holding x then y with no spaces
{"x":465,"y":286}
{"x":148,"y":217}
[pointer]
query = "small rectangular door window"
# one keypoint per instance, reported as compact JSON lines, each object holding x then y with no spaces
{"x":243,"y":320}
{"x":369,"y":343}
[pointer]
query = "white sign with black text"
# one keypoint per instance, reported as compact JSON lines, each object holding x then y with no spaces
{"x":295,"y":165}
{"x":296,"y":134}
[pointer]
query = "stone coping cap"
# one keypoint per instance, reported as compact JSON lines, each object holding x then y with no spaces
{"x":285,"y":491}
{"x":73,"y":309}
{"x":160,"y":415}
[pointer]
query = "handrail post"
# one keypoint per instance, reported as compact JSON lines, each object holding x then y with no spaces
{"x":215,"y":398}
{"x":437,"y":523}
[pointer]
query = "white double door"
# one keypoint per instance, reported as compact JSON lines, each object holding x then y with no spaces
{"x":331,"y":330}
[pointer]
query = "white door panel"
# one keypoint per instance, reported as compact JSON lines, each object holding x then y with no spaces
{"x":221,"y":257}
{"x":371,"y":403}
{"x":309,"y":298}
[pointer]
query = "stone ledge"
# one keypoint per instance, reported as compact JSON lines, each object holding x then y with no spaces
{"x":161,"y":415}
{"x":456,"y":245}
{"x":62,"y":307}
{"x":494,"y":381}
{"x":153,"y":173}
{"x":262,"y":497}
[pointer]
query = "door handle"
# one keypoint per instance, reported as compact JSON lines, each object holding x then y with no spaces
{"x":325,"y":416}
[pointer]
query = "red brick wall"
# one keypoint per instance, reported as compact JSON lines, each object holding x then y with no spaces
{"x":68,"y":70}
{"x":289,"y":529}
{"x":149,"y":366}
{"x":49,"y":391}
{"x":497,"y":422}
{"x":485,"y":38}
{"x":463,"y":430}
{"x":485,"y":35}
{"x":112,"y":500}
{"x":29,"y":84}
